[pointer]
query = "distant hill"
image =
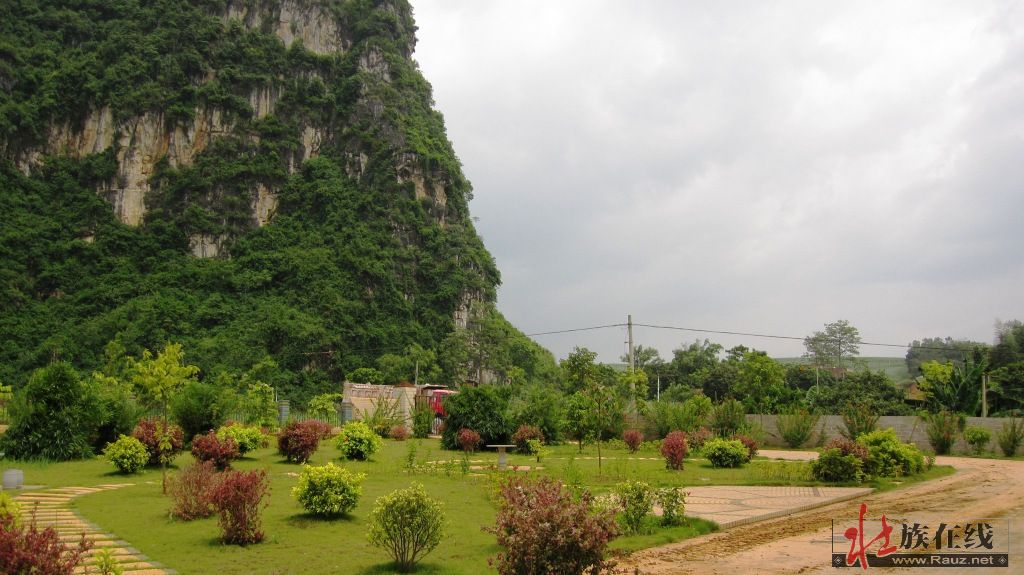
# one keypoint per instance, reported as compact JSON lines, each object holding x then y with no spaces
{"x":894,"y":367}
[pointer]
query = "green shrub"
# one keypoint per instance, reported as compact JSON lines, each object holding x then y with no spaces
{"x":695,"y":413}
{"x":636,"y":499}
{"x":127,"y":454}
{"x":858,"y":419}
{"x":942,"y":429}
{"x":259,"y":405}
{"x":118,"y":408}
{"x":9,"y":508}
{"x":673,"y":503}
{"x":422,"y":421}
{"x":55,"y":416}
{"x":1011,"y":436}
{"x":797,"y":426}
{"x":725,"y":453}
{"x":408,"y":524}
{"x":888,"y":456}
{"x":977,"y":438}
{"x":328,"y":490}
{"x":358,"y":441}
{"x":383,"y":415}
{"x":201,"y":407}
{"x":481,"y":409}
{"x":539,"y":406}
{"x":833,"y":465}
{"x":324,"y":406}
{"x":728,"y":418}
{"x":248,"y":438}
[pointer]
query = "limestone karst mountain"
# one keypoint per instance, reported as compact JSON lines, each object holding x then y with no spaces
{"x":255,"y":178}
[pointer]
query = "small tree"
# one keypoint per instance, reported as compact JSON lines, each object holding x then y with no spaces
{"x":161,"y":377}
{"x":408,"y":524}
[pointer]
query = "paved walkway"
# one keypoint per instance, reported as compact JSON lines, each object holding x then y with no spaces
{"x":53,"y":509}
{"x":730,"y":505}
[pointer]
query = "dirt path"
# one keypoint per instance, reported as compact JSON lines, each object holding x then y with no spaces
{"x":801,"y":543}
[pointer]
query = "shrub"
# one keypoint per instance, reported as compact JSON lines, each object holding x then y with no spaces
{"x":358,"y":441}
{"x":383,"y":415}
{"x":127,"y":454}
{"x":219,"y":452}
{"x":727,"y":418}
{"x":9,"y":508}
{"x":834,"y":465}
{"x":858,"y":419}
{"x":192,"y":491}
{"x":1011,"y":436}
{"x":633,"y":438}
{"x":408,"y":524}
{"x":106,"y":563}
{"x":469,"y":440}
{"x":422,"y":421}
{"x":695,"y":412}
{"x":977,"y":438}
{"x":54,"y":417}
{"x":299,"y":440}
{"x":238,"y":498}
{"x":324,"y":406}
{"x":888,"y":457}
{"x":481,"y":409}
{"x":200,"y":407}
{"x":248,"y":438}
{"x":399,"y":433}
{"x":26,"y":549}
{"x":849,"y":447}
{"x":328,"y":490}
{"x":698,"y":438}
{"x":540,"y":406}
{"x":636,"y":499}
{"x":673,"y":503}
{"x":545,"y":529}
{"x":725,"y":453}
{"x":942,"y":429}
{"x":120,"y":412}
{"x":797,"y":426}
{"x":523,"y":435}
{"x":674,"y":450}
{"x":259,"y":405}
{"x":750,"y":443}
{"x":150,"y":430}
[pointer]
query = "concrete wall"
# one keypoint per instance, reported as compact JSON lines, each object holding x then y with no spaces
{"x":908,"y":428}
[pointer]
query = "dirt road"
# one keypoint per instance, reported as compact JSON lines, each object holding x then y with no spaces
{"x":801,"y":543}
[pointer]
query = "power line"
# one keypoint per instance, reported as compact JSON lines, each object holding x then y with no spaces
{"x":726,"y":332}
{"x":577,"y":329}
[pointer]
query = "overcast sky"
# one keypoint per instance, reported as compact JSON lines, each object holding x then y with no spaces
{"x":753,"y":167}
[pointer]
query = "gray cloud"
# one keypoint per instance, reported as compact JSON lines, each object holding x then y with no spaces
{"x":746,"y":167}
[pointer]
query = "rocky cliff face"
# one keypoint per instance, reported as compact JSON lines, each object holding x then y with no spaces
{"x":254,"y":178}
{"x":142,"y":142}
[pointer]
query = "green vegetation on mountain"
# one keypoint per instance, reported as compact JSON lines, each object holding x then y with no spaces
{"x":355,"y":262}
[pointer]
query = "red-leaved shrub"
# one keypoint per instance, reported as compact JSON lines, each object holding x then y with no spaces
{"x":220,"y":452}
{"x":849,"y":447}
{"x":149,"y":430}
{"x":299,"y":440}
{"x":468,"y":440}
{"x":30,"y":550}
{"x":524,"y":434}
{"x":674,"y":449}
{"x":697,"y":439}
{"x":324,"y":430}
{"x":545,"y":529}
{"x":750,"y":443}
{"x":238,"y":498}
{"x":633,"y":438}
{"x":192,"y":491}
{"x":399,"y":433}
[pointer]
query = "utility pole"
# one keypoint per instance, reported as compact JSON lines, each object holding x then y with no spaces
{"x":984,"y":395}
{"x":416,"y":375}
{"x":629,"y":329}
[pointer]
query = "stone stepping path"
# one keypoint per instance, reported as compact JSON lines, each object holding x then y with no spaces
{"x":53,"y":509}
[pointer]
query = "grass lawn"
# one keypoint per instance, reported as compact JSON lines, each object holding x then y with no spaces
{"x":299,"y":543}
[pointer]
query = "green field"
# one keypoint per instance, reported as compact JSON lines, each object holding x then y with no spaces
{"x":300,"y":543}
